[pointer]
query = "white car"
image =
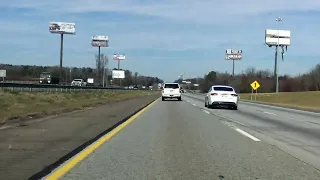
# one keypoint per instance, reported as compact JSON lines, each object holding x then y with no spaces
{"x":219,"y":95}
{"x":78,"y":82}
{"x":171,"y":90}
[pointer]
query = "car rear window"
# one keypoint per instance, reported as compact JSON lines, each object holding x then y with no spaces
{"x":222,"y":89}
{"x":173,"y":86}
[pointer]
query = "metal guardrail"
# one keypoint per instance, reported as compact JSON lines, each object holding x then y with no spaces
{"x":56,"y":87}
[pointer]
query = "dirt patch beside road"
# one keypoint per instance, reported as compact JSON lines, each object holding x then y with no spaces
{"x":27,"y":150}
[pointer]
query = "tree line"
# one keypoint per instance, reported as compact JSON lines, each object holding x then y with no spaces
{"x":309,"y":81}
{"x":31,"y":73}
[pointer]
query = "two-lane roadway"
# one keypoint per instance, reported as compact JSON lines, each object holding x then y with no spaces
{"x":180,"y":140}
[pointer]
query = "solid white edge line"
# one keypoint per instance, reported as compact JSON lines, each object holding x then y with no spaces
{"x":247,"y":134}
{"x":194,"y":104}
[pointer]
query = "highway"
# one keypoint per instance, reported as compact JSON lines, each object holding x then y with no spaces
{"x":183,"y":140}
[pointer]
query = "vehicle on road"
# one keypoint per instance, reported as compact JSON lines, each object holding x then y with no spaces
{"x":48,"y":78}
{"x":78,"y":82}
{"x":221,"y":96}
{"x":170,"y":91}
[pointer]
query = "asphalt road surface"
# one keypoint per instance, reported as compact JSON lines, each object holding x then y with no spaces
{"x":293,"y":131}
{"x":176,"y":140}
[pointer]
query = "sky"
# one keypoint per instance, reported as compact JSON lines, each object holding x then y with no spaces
{"x":162,"y":38}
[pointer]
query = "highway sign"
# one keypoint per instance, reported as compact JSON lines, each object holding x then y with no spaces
{"x":255,"y":85}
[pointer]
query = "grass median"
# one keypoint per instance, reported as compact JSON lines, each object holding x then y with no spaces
{"x":309,"y":100}
{"x":22,"y":105}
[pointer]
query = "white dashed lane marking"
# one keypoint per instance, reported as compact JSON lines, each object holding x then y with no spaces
{"x":205,"y":111}
{"x":241,"y":131}
{"x":269,"y":113}
{"x":247,"y":134}
{"x":266,"y":112}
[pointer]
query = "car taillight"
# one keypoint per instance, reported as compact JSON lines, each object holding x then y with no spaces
{"x":213,"y":94}
{"x":234,"y":95}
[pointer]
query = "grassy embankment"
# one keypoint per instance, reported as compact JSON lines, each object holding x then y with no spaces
{"x":21,"y":105}
{"x":309,"y":100}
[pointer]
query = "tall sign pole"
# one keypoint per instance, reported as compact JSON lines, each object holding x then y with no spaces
{"x":277,"y":38}
{"x":233,"y":54}
{"x":61,"y":57}
{"x":276,"y":59}
{"x":62,"y":28}
{"x":100,"y":41}
{"x":119,"y":57}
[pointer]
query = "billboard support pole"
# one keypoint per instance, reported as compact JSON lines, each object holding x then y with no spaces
{"x":99,"y":69}
{"x":276,"y":58}
{"x":276,"y":69}
{"x":233,"y":68}
{"x":119,"y":69}
{"x":61,"y":56}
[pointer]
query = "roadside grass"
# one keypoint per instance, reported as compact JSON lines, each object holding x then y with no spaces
{"x":309,"y":100}
{"x":21,"y":105}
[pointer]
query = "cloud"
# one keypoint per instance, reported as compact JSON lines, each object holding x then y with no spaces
{"x":207,"y":11}
{"x":189,"y":35}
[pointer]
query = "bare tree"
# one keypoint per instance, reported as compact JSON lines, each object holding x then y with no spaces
{"x":101,"y":65}
{"x":135,"y":78}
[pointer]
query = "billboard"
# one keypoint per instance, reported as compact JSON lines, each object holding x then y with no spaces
{"x":3,"y":73}
{"x":101,"y":41}
{"x":118,"y":74}
{"x":62,"y":28}
{"x":277,"y":37}
{"x":119,"y":57}
{"x":100,"y":38}
{"x":233,"y":54}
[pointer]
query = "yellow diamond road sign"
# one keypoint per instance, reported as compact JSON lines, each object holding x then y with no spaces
{"x":255,"y":85}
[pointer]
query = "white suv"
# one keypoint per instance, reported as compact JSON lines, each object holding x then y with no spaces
{"x":221,"y":96}
{"x":171,"y":90}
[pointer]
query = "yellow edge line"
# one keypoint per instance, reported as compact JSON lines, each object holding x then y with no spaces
{"x":60,"y":171}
